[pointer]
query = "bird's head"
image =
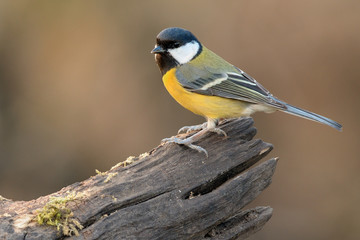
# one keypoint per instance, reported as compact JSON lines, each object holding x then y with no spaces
{"x":175,"y":46}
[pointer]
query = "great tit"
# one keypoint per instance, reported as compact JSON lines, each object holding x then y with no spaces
{"x":207,"y":85}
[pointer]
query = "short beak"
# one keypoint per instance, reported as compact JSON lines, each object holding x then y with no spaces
{"x":157,"y":49}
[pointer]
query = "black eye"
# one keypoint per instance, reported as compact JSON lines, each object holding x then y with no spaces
{"x":176,"y":45}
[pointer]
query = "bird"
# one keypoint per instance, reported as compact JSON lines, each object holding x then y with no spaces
{"x":209,"y":86}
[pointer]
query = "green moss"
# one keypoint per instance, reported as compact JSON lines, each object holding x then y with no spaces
{"x":100,"y":173}
{"x":56,"y":213}
{"x":130,"y":160}
{"x":109,"y":175}
{"x":125,"y":163}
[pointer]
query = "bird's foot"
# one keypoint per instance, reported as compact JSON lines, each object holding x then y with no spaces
{"x":218,"y":131}
{"x":195,"y":128}
{"x":187,"y":142}
{"x":209,"y":126}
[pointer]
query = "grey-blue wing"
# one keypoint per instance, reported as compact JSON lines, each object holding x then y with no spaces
{"x":234,"y":84}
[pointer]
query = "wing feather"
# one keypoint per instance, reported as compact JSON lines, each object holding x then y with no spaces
{"x":234,"y":84}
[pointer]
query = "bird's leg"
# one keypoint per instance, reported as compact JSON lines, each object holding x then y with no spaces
{"x":216,"y":130}
{"x":210,"y":127}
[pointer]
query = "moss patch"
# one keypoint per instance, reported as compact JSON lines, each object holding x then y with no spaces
{"x":125,"y":163}
{"x":130,"y":160}
{"x":56,"y":213}
{"x":109,"y":175}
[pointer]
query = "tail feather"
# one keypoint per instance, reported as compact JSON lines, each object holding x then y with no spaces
{"x":311,"y":116}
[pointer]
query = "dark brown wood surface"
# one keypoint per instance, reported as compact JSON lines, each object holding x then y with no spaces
{"x":172,"y":192}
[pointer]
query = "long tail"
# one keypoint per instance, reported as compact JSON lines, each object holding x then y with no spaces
{"x":311,"y":116}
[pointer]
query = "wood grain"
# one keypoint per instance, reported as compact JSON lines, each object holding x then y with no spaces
{"x":171,"y":193}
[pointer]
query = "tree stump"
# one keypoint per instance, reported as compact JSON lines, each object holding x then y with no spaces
{"x":171,"y":192}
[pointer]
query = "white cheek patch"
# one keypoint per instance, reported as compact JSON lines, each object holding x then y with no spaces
{"x":186,"y":52}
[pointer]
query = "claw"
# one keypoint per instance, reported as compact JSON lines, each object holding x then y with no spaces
{"x":186,"y":142}
{"x":188,"y":129}
{"x":166,"y":140}
{"x":198,"y":148}
{"x":218,"y":131}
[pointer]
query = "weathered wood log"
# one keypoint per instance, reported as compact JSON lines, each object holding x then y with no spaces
{"x":172,"y":192}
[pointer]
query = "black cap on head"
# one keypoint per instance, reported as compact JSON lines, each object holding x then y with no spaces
{"x":175,"y":35}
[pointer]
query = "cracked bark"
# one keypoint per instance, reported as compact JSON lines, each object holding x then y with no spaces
{"x":173,"y":193}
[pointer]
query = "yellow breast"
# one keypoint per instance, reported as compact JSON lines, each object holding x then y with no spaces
{"x":207,"y":106}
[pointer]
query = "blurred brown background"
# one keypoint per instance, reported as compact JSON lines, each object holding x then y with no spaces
{"x":79,"y":90}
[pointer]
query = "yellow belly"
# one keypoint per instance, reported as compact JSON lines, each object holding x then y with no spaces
{"x":208,"y":106}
